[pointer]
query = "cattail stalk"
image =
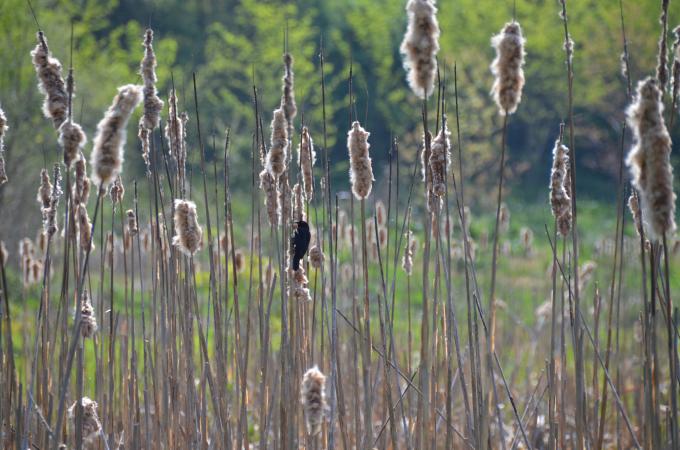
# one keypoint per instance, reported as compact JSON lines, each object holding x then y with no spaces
{"x":3,"y":130}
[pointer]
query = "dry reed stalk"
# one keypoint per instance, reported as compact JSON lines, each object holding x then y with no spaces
{"x":51,"y":83}
{"x":109,"y":142}
{"x":3,"y":131}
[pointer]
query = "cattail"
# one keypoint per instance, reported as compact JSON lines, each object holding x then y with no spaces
{"x":507,"y":68}
{"x":440,"y":158}
{"x":88,"y":324}
{"x":432,"y":201}
{"x":381,"y":213}
{"x":298,"y":285}
{"x":313,"y":393}
{"x":277,"y":157}
{"x":675,"y":71}
{"x":407,"y":260}
{"x":504,"y":219}
{"x":634,"y":207}
{"x":109,"y":142}
{"x":51,"y":83}
{"x":420,"y":46}
{"x":649,"y":160}
{"x":45,"y":190}
{"x":50,"y":212}
{"x":41,"y":241}
{"x":382,"y":236}
{"x":585,"y":274}
{"x":90,"y":421}
{"x":152,"y":104}
{"x":285,"y":198}
{"x":4,"y":254}
{"x":559,"y":199}
{"x":240,"y":261}
{"x":306,"y":160}
{"x":316,"y":256}
{"x":271,"y":196}
{"x":288,"y":94}
{"x":72,"y":140}
{"x":361,"y":171}
{"x":662,"y":57}
{"x":174,"y":127}
{"x":85,"y":227}
{"x":298,"y":203}
{"x":188,"y":232}
{"x":3,"y":130}
{"x":110,"y":249}
{"x":36,"y":271}
{"x":132,"y":222}
{"x":117,"y":191}
{"x":81,"y":188}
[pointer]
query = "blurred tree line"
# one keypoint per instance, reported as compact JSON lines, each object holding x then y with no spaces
{"x":231,"y":44}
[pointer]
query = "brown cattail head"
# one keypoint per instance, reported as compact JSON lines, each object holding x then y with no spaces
{"x":560,"y":201}
{"x":432,"y":201}
{"x":85,"y":227}
{"x":117,"y":191}
{"x":45,"y":189}
{"x":662,"y":57}
{"x":527,"y":237}
{"x":288,"y":91}
{"x":298,"y":203}
{"x":50,"y":212}
{"x":81,"y":188}
{"x":51,"y":82}
{"x":675,"y":71}
{"x":313,"y":393}
{"x":109,"y":142}
{"x":152,"y":104}
{"x":36,"y":271}
{"x":240,"y":260}
{"x":298,"y":289}
{"x":189,"y":234}
{"x":381,"y":213}
{"x":277,"y":158}
{"x":407,"y":260}
{"x":420,"y":46}
{"x":504,"y":219}
{"x":634,"y":207}
{"x":271,"y":196}
{"x":360,"y":168}
{"x":131,"y":222}
{"x":72,"y":140}
{"x":649,"y":160}
{"x":507,"y":68}
{"x":90,"y":420}
{"x":306,"y":160}
{"x":88,"y":325}
{"x":440,"y":158}
{"x":316,"y":256}
{"x":174,"y":132}
{"x":41,"y":241}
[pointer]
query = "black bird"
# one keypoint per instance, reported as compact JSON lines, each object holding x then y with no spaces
{"x":299,"y":242}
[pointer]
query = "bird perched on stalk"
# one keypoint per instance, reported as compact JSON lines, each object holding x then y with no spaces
{"x":299,"y":242}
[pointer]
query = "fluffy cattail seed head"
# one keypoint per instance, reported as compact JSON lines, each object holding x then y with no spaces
{"x":560,"y":201}
{"x":306,"y":160}
{"x":109,"y":142}
{"x":407,"y":260}
{"x":361,"y":170}
{"x":131,"y":222}
{"x":298,"y":285}
{"x":117,"y":191}
{"x":381,"y":213}
{"x":88,"y":325}
{"x":81,"y":188}
{"x":51,"y":82}
{"x":440,"y":158}
{"x":152,"y":104}
{"x":50,"y":212}
{"x":277,"y":157}
{"x":85,"y":227}
{"x":313,"y":393}
{"x":316,"y":256}
{"x":45,"y":189}
{"x":507,"y":68}
{"x":649,"y":160}
{"x":298,"y":203}
{"x":271,"y":196}
{"x":72,"y":140}
{"x":288,"y":94}
{"x":90,"y":420}
{"x":189,"y":234}
{"x":420,"y":46}
{"x":634,"y":207}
